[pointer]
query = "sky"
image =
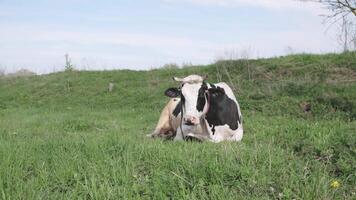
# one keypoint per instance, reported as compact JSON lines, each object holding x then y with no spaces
{"x":146,"y":34}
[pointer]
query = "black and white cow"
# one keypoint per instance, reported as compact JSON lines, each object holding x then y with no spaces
{"x":210,"y":111}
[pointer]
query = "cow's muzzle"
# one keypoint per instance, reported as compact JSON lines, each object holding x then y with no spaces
{"x":190,"y":120}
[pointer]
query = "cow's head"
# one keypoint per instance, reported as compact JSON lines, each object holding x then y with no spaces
{"x":195,"y":97}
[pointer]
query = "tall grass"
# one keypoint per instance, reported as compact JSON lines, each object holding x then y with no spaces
{"x":63,"y":135}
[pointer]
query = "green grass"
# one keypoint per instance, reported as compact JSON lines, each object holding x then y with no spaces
{"x":64,"y":136}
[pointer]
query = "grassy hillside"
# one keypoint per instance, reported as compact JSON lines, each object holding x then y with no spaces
{"x":63,"y":135}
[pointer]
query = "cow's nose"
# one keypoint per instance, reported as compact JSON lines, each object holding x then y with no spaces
{"x":190,"y":120}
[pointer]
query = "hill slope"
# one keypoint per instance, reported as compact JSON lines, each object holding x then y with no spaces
{"x":63,"y":135}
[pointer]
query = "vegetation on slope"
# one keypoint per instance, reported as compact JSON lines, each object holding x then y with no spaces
{"x":63,"y":135}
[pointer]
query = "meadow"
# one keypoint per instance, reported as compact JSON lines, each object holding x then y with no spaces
{"x":64,"y":136}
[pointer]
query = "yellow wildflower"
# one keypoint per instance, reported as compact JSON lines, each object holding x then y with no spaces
{"x":335,"y":184}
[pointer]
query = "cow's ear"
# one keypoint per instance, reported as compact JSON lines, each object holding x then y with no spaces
{"x":172,"y":92}
{"x":204,"y":86}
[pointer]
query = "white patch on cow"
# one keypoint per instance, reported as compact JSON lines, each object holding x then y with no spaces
{"x":190,"y":93}
{"x":237,"y":136}
{"x":225,"y":133}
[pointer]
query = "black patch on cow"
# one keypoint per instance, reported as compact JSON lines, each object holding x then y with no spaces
{"x":172,"y":92}
{"x":213,"y":129}
{"x":201,"y":97}
{"x":180,"y":104}
{"x":182,"y":98}
{"x":222,"y":110}
{"x":177,"y":109}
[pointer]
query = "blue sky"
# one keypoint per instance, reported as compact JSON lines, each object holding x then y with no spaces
{"x":136,"y":34}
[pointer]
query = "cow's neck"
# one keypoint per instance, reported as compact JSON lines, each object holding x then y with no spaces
{"x":213,"y":113}
{"x":222,"y":111}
